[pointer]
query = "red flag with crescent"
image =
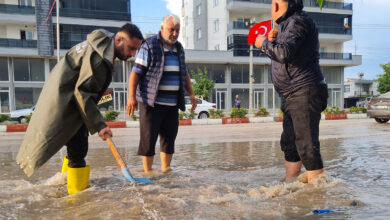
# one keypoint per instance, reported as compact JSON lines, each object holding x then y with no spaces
{"x":262,"y":28}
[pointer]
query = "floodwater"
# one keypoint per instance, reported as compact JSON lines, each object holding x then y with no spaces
{"x":209,"y":181}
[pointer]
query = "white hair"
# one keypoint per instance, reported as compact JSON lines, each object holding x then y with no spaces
{"x":174,"y":18}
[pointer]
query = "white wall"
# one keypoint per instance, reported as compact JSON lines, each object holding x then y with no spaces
{"x":13,"y":31}
{"x":214,"y":13}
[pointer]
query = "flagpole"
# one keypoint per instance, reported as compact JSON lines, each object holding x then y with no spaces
{"x":58,"y":30}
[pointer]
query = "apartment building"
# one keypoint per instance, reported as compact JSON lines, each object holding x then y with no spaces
{"x":28,"y":44}
{"x":215,"y":34}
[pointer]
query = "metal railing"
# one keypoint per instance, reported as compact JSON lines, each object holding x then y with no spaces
{"x":336,"y":56}
{"x":4,"y":42}
{"x":241,"y":25}
{"x":306,"y":3}
{"x":243,"y":52}
{"x":93,"y":14}
{"x":16,"y":9}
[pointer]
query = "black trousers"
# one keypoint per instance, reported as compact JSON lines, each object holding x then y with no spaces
{"x":301,"y":119}
{"x":77,"y":148}
{"x":154,"y":121}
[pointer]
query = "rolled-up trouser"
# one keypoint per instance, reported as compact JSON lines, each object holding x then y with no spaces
{"x":301,"y":119}
{"x":77,"y":148}
{"x":154,"y":121}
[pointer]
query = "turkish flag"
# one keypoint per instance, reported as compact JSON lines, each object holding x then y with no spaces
{"x":262,"y":28}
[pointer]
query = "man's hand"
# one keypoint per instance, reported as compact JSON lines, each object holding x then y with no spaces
{"x":193,"y":102}
{"x":259,"y":41}
{"x":273,"y":34}
{"x":132,"y":105}
{"x":103,"y":132}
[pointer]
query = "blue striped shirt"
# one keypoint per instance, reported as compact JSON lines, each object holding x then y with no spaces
{"x":170,"y":82}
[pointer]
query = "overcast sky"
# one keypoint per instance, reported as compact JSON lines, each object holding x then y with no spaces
{"x":371,"y":30}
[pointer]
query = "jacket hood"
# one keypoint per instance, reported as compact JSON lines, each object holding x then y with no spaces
{"x":293,"y":6}
{"x":102,"y":42}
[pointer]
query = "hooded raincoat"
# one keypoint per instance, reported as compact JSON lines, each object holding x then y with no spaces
{"x":68,"y":100}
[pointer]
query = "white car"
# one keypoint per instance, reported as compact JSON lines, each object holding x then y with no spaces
{"x":19,"y":115}
{"x":202,"y":109}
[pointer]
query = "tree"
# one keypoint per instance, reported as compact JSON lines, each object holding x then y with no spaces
{"x":320,"y":2}
{"x":203,"y":84}
{"x":384,"y":79}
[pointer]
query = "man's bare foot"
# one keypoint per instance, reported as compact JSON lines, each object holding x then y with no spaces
{"x":313,"y":173}
{"x":166,"y":170}
{"x":293,"y":169}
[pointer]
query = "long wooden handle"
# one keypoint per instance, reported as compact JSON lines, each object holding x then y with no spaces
{"x":114,"y":151}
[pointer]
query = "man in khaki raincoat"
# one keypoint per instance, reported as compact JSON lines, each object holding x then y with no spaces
{"x":67,"y":107}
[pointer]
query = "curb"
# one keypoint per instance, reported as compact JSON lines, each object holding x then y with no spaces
{"x":220,"y":121}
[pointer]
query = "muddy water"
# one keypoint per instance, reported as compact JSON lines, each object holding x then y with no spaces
{"x":209,"y":181}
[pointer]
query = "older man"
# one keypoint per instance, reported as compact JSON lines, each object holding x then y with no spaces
{"x":297,"y":76}
{"x":158,"y":82}
{"x":67,"y":107}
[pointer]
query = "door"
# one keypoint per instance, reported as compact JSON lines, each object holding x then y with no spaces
{"x":120,"y":99}
{"x":4,"y":101}
{"x":336,"y":98}
{"x":221,"y":99}
{"x":258,"y":99}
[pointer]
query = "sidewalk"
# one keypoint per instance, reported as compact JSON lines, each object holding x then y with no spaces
{"x":220,"y":121}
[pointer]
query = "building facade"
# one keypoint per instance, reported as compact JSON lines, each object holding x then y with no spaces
{"x":357,"y":90}
{"x":28,"y":44}
{"x":220,"y":28}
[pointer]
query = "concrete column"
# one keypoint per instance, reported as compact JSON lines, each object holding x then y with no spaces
{"x":47,"y":69}
{"x":11,"y":85}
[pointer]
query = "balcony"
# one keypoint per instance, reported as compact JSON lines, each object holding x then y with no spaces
{"x":94,"y":14}
{"x":336,"y":56}
{"x":16,"y":9}
{"x":330,"y":32}
{"x":4,"y":42}
{"x":306,"y":3}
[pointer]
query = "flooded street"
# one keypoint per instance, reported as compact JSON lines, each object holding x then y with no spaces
{"x":219,"y":172}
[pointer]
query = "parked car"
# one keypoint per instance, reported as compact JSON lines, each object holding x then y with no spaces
{"x":19,"y":115}
{"x":379,"y":108}
{"x":203,"y":106}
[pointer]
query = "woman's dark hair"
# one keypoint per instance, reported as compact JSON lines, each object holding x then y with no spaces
{"x":132,"y":30}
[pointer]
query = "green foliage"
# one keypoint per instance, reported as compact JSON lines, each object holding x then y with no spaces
{"x":321,"y":3}
{"x":238,"y":113}
{"x":28,"y":118}
{"x":182,"y":115}
{"x":261,"y":112}
{"x":203,"y":84}
{"x":4,"y":118}
{"x":384,"y":79}
{"x":358,"y":110}
{"x":280,"y":113}
{"x":216,"y":113}
{"x":134,"y":117}
{"x":191,"y":114}
{"x":333,"y":110}
{"x":110,"y":115}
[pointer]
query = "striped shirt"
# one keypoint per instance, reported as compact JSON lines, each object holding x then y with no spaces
{"x":168,"y":88}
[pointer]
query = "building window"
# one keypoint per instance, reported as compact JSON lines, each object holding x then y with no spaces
{"x":199,"y":33}
{"x":216,"y":25}
{"x":199,"y":10}
{"x":258,"y":74}
{"x":243,"y":95}
{"x":25,"y":3}
{"x":270,"y":99}
{"x":240,"y":74}
{"x":323,"y":50}
{"x":347,"y":88}
{"x":216,"y":2}
{"x":4,"y":100}
{"x":215,"y":72}
{"x":26,"y":97}
{"x":4,"y":69}
{"x":117,"y":75}
{"x":29,"y":69}
{"x":332,"y":74}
